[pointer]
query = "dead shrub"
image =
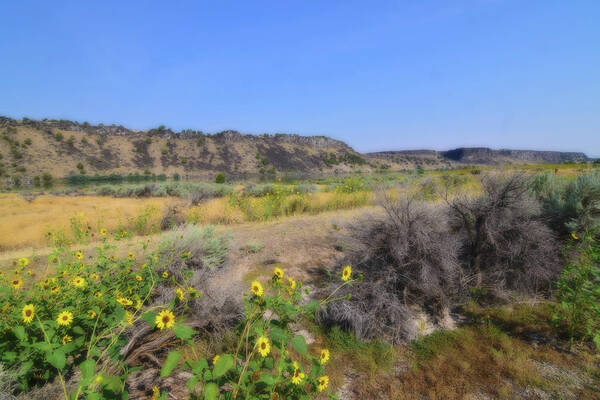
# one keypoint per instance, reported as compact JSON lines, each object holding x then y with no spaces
{"x":505,"y":245}
{"x":406,"y":258}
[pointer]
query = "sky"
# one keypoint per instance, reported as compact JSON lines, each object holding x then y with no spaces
{"x":378,"y":75}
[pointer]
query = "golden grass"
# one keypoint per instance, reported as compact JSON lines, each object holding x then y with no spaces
{"x":227,"y":210}
{"x":25,"y":224}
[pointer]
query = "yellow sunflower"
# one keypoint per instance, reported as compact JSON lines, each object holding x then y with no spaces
{"x":95,"y":276}
{"x":165,"y":274}
{"x":124,"y":301}
{"x":257,"y":288}
{"x":215,"y":359}
{"x":54,"y":289}
{"x":292,"y":283}
{"x":23,"y":262}
{"x":574,"y":236}
{"x":278,"y":272}
{"x":179,"y":294}
{"x":92,"y":314}
{"x":297,"y":377}
{"x":138,"y":278}
{"x":79,"y":255}
{"x":16,"y":283}
{"x":263,"y":345}
{"x":98,"y":294}
{"x":28,"y":312}
{"x":324,"y":356}
{"x":65,"y":318}
{"x":103,"y":231}
{"x":66,"y":339}
{"x":129,"y":318}
{"x":193,"y":292}
{"x":131,"y":256}
{"x":78,"y":282}
{"x":165,"y":319}
{"x":323,"y":383}
{"x":346,"y":273}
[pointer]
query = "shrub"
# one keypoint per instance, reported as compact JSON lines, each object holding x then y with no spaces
{"x":504,"y":244}
{"x":406,"y":257}
{"x":572,"y":206}
{"x":70,"y":141}
{"x":254,"y":247}
{"x":27,"y":142}
{"x":220,"y":178}
{"x":196,"y":247}
{"x":578,"y":297}
{"x":58,"y":136}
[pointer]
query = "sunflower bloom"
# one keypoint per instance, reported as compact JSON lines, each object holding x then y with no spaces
{"x":79,"y":255}
{"x":323,"y":383}
{"x":16,"y":283}
{"x":165,"y":274}
{"x":28,"y":312}
{"x":131,"y":256}
{"x":124,"y":301}
{"x":165,"y":319}
{"x":54,"y":289}
{"x":346,"y":273}
{"x":103,"y":231}
{"x":179,"y":294}
{"x":129,"y":318}
{"x":23,"y":261}
{"x":292,"y":283}
{"x":98,"y":294}
{"x":66,"y":339}
{"x":257,"y":288}
{"x":138,"y":278}
{"x":92,"y":314}
{"x":297,"y":377}
{"x":324,"y":356}
{"x":278,"y":272}
{"x":65,"y":318}
{"x":215,"y":359}
{"x":78,"y":282}
{"x":263,"y":345}
{"x":574,"y":236}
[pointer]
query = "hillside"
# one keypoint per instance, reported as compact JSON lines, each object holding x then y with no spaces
{"x":61,"y":148}
{"x":475,"y":156}
{"x":30,"y":148}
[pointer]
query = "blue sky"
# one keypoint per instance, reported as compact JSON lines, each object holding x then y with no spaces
{"x":379,"y":75}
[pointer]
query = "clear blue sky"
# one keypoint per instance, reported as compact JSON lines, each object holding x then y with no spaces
{"x":379,"y":75}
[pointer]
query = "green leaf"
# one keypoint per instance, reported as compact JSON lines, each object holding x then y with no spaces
{"x":43,"y":346}
{"x":211,"y":391}
{"x":19,"y":332}
{"x":78,"y":330}
{"x":57,"y":358}
{"x":223,"y":365}
{"x":268,"y":362}
{"x":25,"y":368}
{"x":312,"y":306}
{"x":267,"y":379}
{"x":170,"y":364}
{"x":299,"y":344}
{"x":87,"y":369}
{"x":150,"y":318}
{"x":199,"y":366}
{"x":183,"y":331}
{"x":278,"y":335}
